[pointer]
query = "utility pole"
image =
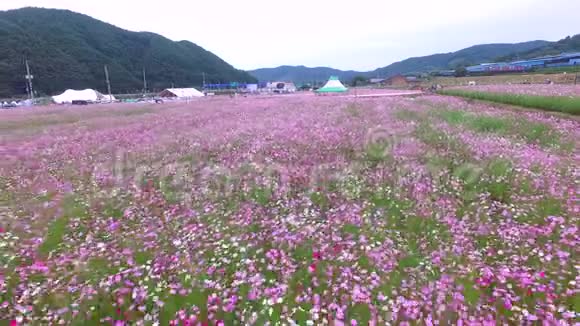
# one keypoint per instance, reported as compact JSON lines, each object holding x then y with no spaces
{"x":29,"y":78}
{"x":108,"y":83}
{"x":144,"y":82}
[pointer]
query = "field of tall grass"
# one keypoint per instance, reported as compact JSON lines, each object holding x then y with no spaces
{"x":565,"y":104}
{"x":536,"y":78}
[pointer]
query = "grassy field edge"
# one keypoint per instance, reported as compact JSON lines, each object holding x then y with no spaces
{"x":570,"y":105}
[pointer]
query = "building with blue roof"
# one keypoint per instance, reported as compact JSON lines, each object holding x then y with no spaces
{"x":561,"y":60}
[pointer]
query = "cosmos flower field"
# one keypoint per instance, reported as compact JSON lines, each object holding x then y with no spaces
{"x":289,"y":210}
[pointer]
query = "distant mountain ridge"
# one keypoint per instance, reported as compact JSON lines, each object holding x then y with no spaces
{"x":469,"y":56}
{"x":69,"y":50}
{"x":568,"y":44}
{"x":443,"y":61}
{"x":301,"y":74}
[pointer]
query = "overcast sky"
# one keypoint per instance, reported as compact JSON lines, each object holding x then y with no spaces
{"x":359,"y":35}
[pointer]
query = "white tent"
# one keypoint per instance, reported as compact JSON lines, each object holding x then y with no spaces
{"x":108,"y":98}
{"x":181,"y":93}
{"x":89,"y":95}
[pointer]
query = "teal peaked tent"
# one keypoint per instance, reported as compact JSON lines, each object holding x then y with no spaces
{"x":333,"y":86}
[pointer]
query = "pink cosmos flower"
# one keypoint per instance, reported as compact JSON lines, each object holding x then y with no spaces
{"x":317,"y":255}
{"x":382,"y":297}
{"x":39,"y":266}
{"x":316,"y":299}
{"x":532,"y":317}
{"x":312,"y":268}
{"x":252,"y":295}
{"x":113,"y":226}
{"x":339,"y":314}
{"x":507,"y":304}
{"x":568,"y":315}
{"x":483,"y":281}
{"x":231,"y":304}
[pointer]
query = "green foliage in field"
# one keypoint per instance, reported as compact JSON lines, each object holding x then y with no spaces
{"x":564,"y":104}
{"x":530,"y":131}
{"x":72,"y":208}
{"x":558,"y":70}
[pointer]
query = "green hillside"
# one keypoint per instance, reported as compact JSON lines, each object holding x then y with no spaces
{"x":68,"y":50}
{"x":568,"y":44}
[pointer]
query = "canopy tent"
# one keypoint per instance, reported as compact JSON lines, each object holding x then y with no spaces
{"x":89,"y":95}
{"x":333,"y":86}
{"x":181,"y":93}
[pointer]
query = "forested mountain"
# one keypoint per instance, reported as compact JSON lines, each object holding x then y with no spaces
{"x":443,"y":61}
{"x":68,"y":50}
{"x":568,"y":44}
{"x":468,"y":56}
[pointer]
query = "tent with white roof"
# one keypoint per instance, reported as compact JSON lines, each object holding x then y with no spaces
{"x":89,"y":95}
{"x":181,"y":93}
{"x":333,"y":86}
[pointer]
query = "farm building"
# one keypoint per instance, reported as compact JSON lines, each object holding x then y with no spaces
{"x":281,"y":87}
{"x":562,"y":60}
{"x":450,"y":72}
{"x":86,"y":96}
{"x":180,"y":93}
{"x":251,"y":88}
{"x":496,"y":67}
{"x":413,"y":79}
{"x":397,"y":81}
